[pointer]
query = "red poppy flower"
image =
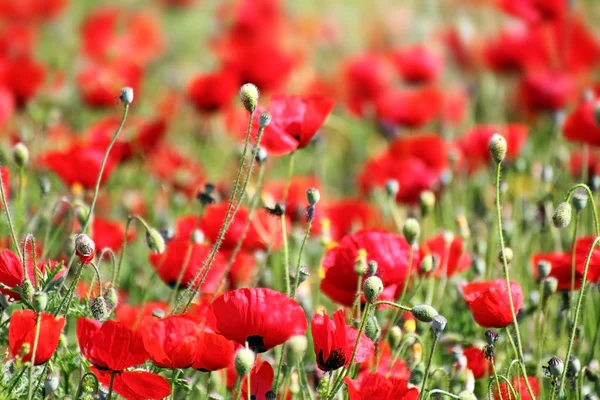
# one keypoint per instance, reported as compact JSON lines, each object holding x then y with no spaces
{"x":261,"y":380}
{"x":99,"y":83}
{"x":21,"y":332}
{"x":109,"y":234}
{"x":31,"y":9}
{"x":429,"y":148}
{"x":79,"y":164}
{"x":390,"y":251}
{"x":577,"y":163}
{"x":411,"y":108}
{"x":215,"y":352}
{"x":581,"y":125}
{"x":387,"y":365}
{"x":11,"y":271}
{"x":546,"y":91}
{"x":172,"y":342}
{"x":170,"y":263}
{"x":452,"y":257}
{"x":334,"y":342}
{"x":242,"y":268}
{"x":111,"y":348}
{"x":296,"y":196}
{"x":182,"y":172}
{"x":262,"y":317}
{"x":113,"y":33}
{"x":7,"y":106}
{"x":131,"y":315}
{"x":489,"y":303}
{"x":345,"y":216}
{"x":520,"y":387}
{"x":582,"y":248}
{"x":510,"y":50}
{"x":561,"y":269}
{"x":376,"y":386}
{"x":23,"y":76}
{"x":474,"y":143}
{"x":213,"y":92}
{"x":417,"y":64}
{"x":477,"y":363}
{"x":534,"y":11}
{"x":366,"y":77}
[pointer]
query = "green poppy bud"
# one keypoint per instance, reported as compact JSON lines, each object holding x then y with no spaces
{"x":249,"y":97}
{"x":20,"y":154}
{"x":373,"y":287}
{"x":395,"y":336}
{"x":427,"y":202}
{"x":508,"y":253}
{"x":466,"y":395}
{"x":313,"y":196}
{"x":243,"y":362}
{"x":373,"y":330}
{"x":411,"y":230}
{"x":544,"y":268}
{"x":392,"y":187}
{"x":549,"y":286}
{"x":112,"y":298}
{"x":27,"y":290}
{"x":497,"y":147}
{"x":562,"y":215}
{"x":417,"y":374}
{"x":297,"y":346}
{"x":426,"y":264}
{"x":40,"y":301}
{"x":155,"y":241}
{"x":424,"y":312}
{"x":126,"y":96}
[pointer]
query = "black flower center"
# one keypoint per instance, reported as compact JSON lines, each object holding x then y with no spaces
{"x":336,"y":359}
{"x":256,"y":343}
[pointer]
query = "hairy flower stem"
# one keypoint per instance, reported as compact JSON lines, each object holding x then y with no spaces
{"x":110,"y":386}
{"x":38,"y":324}
{"x":67,"y":299}
{"x":10,"y":222}
{"x":81,"y":386}
{"x":397,"y":314}
{"x":505,"y":267}
{"x":577,"y":311}
{"x":428,"y":366}
{"x":496,"y":381}
{"x":573,"y":268}
{"x":286,"y":256}
{"x":302,"y":246}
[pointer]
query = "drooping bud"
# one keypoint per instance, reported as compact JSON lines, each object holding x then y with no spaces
{"x":20,"y":154}
{"x":373,"y":330}
{"x":372,"y":288}
{"x":126,"y":96}
{"x":392,"y":187}
{"x":265,"y":119}
{"x":424,"y":312}
{"x":243,"y":362}
{"x":497,"y":147}
{"x":297,"y":346}
{"x":508,"y":253}
{"x":438,"y":324}
{"x":249,"y":96}
{"x":579,"y":199}
{"x":427,"y":202}
{"x":417,"y":374}
{"x":426,"y":264}
{"x":50,"y":383}
{"x":112,"y":298}
{"x":98,"y":308}
{"x":395,"y":336}
{"x":562,"y":215}
{"x":544,"y":268}
{"x":411,"y":230}
{"x":84,"y":248}
{"x":556,"y":367}
{"x":155,"y":241}
{"x":549,"y":285}
{"x":40,"y":301}
{"x":27,"y":290}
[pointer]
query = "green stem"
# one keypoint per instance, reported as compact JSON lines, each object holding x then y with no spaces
{"x":497,"y":382}
{"x":81,"y":386}
{"x":249,"y":392}
{"x":10,"y":222}
{"x":573,"y":242}
{"x":428,"y":366}
{"x":302,"y":246}
{"x":70,"y":292}
{"x":115,"y":277}
{"x":110,"y":386}
{"x":21,"y":197}
{"x":276,"y":382}
{"x":577,"y":311}
{"x":390,"y":303}
{"x":38,"y":325}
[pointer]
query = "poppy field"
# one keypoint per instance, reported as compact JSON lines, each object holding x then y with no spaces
{"x":300,"y":199}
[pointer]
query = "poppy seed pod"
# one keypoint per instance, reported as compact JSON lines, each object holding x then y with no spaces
{"x":126,"y":96}
{"x":373,"y":330}
{"x":372,"y":288}
{"x":497,"y":147}
{"x":562,"y":215}
{"x":50,"y":383}
{"x":98,"y":308}
{"x":508,"y":253}
{"x":262,"y":155}
{"x":392,"y":187}
{"x":84,"y":247}
{"x":411,"y":230}
{"x":297,"y":346}
{"x":438,"y":324}
{"x":243,"y":362}
{"x":466,"y":395}
{"x":550,"y":286}
{"x":395,"y":336}
{"x":573,"y":366}
{"x":155,"y":241}
{"x":40,"y":301}
{"x":544,"y":268}
{"x":491,"y":336}
{"x":249,"y":96}
{"x":424,"y":312}
{"x":555,"y":367}
{"x":427,"y":202}
{"x":20,"y":154}
{"x":579,"y":199}
{"x":265,"y":119}
{"x":313,"y":196}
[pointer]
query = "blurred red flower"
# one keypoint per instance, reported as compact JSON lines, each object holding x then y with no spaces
{"x":377,"y":386}
{"x":581,"y":125}
{"x":534,"y":11}
{"x":22,"y":76}
{"x":215,"y":352}
{"x":261,"y":380}
{"x":31,"y":9}
{"x":411,"y":108}
{"x":390,"y":251}
{"x":510,"y":50}
{"x":109,"y":234}
{"x":182,"y":172}
{"x":366,"y":77}
{"x":99,"y":83}
{"x":451,"y":256}
{"x":21,"y":331}
{"x":111,"y":348}
{"x":417,"y":64}
{"x":172,"y":342}
{"x":546,"y":91}
{"x":334,"y":341}
{"x":520,"y":387}
{"x":214,"y":91}
{"x":489,"y":302}
{"x":262,"y":317}
{"x":477,"y":363}
{"x":561,"y":268}
{"x":131,"y":315}
{"x":11,"y":271}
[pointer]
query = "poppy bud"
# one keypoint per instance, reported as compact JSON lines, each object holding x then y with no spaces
{"x":411,"y":230}
{"x":112,"y":299}
{"x":360,"y":265}
{"x":497,"y":147}
{"x":550,"y":286}
{"x":270,"y":395}
{"x":556,"y":367}
{"x":373,"y":330}
{"x":244,"y":360}
{"x":426,"y":263}
{"x":508,"y":254}
{"x":20,"y":154}
{"x":438,"y":324}
{"x":82,"y":212}
{"x":392,"y":187}
{"x":478,"y":265}
{"x":395,"y":336}
{"x":373,"y":287}
{"x":262,"y":155}
{"x":465,"y":395}
{"x":27,"y":290}
{"x":417,"y":374}
{"x":410,"y":326}
{"x":597,"y":112}
{"x":313,"y":196}
{"x":297,"y":346}
{"x":544,"y":268}
{"x":50,"y":383}
{"x":265,"y":119}
{"x":197,"y":236}
{"x":424,"y":312}
{"x":573,"y":366}
{"x":249,"y":96}
{"x":372,"y":267}
{"x":40,"y":301}
{"x":126,"y":96}
{"x":155,"y":241}
{"x":491,"y":336}
{"x":579,"y":199}
{"x":302,"y":274}
{"x":84,"y":248}
{"x":427,"y":202}
{"x":562,"y":215}
{"x":98,"y":308}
